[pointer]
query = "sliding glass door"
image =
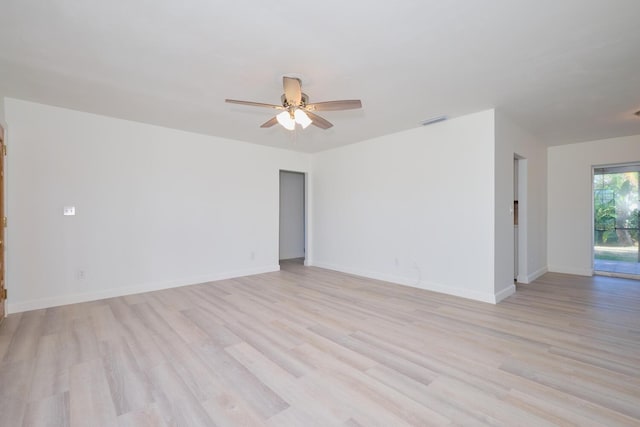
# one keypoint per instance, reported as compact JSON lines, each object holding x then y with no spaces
{"x":616,"y":199}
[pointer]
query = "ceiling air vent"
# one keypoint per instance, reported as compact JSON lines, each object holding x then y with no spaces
{"x":433,"y":120}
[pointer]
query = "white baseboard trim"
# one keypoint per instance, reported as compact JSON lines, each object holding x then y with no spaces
{"x":571,"y":270}
{"x":506,"y":292}
{"x":421,"y":284}
{"x":55,"y":301}
{"x":533,"y":276}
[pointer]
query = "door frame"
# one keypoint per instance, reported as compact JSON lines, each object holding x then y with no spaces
{"x":522,"y":184}
{"x":594,"y":272}
{"x":3,"y":152}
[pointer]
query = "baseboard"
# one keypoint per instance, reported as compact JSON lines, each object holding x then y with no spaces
{"x":571,"y":270}
{"x":533,"y":276}
{"x":420,"y":284}
{"x":41,"y":303}
{"x":507,"y":292}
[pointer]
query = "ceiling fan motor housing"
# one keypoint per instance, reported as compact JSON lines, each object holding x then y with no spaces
{"x":303,"y":102}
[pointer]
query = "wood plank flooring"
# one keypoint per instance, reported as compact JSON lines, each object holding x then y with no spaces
{"x":312,"y":347}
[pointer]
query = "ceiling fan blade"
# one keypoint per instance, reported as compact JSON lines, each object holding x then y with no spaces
{"x":272,"y":121}
{"x":347,"y":104}
{"x":292,"y":90}
{"x":316,"y":120}
{"x":254,"y":104}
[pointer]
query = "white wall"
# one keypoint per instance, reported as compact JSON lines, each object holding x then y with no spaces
{"x":512,"y":140}
{"x":291,"y":215}
{"x":156,"y":207}
{"x":416,"y":207}
{"x":570,"y":211}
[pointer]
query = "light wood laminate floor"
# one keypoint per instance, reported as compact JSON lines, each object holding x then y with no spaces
{"x":312,"y":347}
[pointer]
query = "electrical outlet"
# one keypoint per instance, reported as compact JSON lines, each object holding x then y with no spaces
{"x":253,"y":256}
{"x":80,"y":275}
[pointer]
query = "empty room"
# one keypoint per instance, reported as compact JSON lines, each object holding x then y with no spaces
{"x":412,"y":213}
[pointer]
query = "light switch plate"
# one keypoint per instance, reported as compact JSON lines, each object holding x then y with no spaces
{"x":69,"y":210}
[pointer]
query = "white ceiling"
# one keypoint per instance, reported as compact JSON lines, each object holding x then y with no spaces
{"x":567,"y":70}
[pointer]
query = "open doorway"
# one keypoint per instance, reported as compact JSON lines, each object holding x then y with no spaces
{"x":520,"y":219}
{"x":515,"y":219}
{"x":292,"y":241}
{"x":616,"y":200}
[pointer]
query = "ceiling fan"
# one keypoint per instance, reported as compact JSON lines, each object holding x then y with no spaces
{"x":296,"y":107}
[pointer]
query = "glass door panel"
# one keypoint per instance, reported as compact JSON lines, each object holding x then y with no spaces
{"x":616,"y":201}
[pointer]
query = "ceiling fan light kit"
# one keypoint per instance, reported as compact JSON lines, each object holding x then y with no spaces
{"x":302,"y":118}
{"x":297,"y":108}
{"x":286,"y":120}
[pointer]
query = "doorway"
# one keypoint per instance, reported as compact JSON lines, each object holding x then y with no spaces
{"x":616,"y":199}
{"x":519,"y":219}
{"x":292,"y":239}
